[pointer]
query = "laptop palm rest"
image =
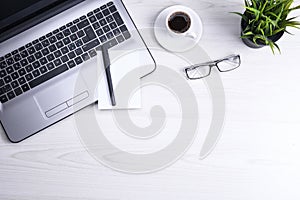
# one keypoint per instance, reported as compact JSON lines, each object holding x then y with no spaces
{"x":54,"y":100}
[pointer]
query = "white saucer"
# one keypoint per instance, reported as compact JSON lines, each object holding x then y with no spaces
{"x":174,"y":44}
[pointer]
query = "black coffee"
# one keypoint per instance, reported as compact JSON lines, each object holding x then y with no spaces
{"x":179,"y":22}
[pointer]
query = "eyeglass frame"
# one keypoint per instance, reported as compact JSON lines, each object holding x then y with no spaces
{"x":212,"y":64}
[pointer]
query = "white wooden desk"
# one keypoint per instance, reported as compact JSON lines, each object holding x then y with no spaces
{"x":256,"y":158}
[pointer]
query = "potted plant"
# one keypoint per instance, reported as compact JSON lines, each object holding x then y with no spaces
{"x":265,"y":21}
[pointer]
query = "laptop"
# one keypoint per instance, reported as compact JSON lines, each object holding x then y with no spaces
{"x":48,"y":51}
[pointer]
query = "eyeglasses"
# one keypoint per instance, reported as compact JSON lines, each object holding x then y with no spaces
{"x":203,"y":70}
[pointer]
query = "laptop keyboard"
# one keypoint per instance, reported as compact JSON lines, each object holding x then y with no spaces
{"x":59,"y":51}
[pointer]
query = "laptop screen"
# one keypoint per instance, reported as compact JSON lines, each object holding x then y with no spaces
{"x":17,"y":16}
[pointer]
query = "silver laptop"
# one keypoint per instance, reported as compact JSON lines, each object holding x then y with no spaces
{"x":48,"y":58}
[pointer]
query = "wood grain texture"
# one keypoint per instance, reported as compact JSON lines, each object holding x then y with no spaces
{"x":256,"y":158}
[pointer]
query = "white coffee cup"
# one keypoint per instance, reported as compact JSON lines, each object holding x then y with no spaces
{"x":180,"y":24}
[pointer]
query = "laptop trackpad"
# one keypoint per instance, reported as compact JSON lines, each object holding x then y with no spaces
{"x":61,"y":95}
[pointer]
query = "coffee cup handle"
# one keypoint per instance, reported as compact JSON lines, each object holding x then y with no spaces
{"x":192,"y":35}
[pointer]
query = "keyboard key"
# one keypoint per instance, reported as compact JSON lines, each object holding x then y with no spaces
{"x":52,"y":48}
{"x":49,"y":35}
{"x":72,"y":47}
{"x":91,"y":45}
{"x":15,"y":75}
{"x":14,"y":84}
{"x":43,"y":61}
{"x":71,"y":64}
{"x":38,"y":46}
{"x":42,"y":38}
{"x":78,"y":43}
{"x":120,"y":39}
{"x":7,"y":55}
{"x":18,"y":57}
{"x":31,"y":59}
{"x":126,"y":34}
{"x":82,"y":17}
{"x":85,"y":56}
{"x":113,"y":25}
{"x":52,"y":39}
{"x":90,"y":14}
{"x":110,"y":35}
{"x":123,"y":28}
{"x":96,"y":10}
{"x":57,"y":62}
{"x":92,"y":53}
{"x":21,"y":80}
{"x":3,"y":73}
{"x":59,"y":44}
{"x":1,"y":82}
{"x":48,"y":76}
{"x":90,"y":32}
{"x":110,"y":3}
{"x":69,"y":24}
{"x":43,"y":70}
{"x":111,"y":43}
{"x":96,"y":25}
{"x":62,"y":28}
{"x":59,"y":36}
{"x":29,"y":77}
{"x":31,"y":50}
{"x":7,"y":79}
{"x":83,"y":24}
{"x":21,"y":49}
{"x":3,"y":99}
{"x":64,"y":59}
{"x":112,"y":9}
{"x":66,"y":41}
{"x":67,"y":32}
{"x":76,"y":21}
{"x":22,"y":72}
{"x":78,"y":60}
{"x":86,"y":39}
{"x":25,"y":87}
{"x":103,"y":39}
{"x":99,"y":15}
{"x":118,"y":18}
{"x":18,"y":91}
{"x":29,"y":68}
{"x":64,"y":50}
{"x":99,"y":32}
{"x":105,"y":12}
{"x":109,"y":19}
{"x":71,"y":55}
{"x":24,"y":54}
{"x":36,"y":73}
{"x":103,"y":7}
{"x":24,"y":62}
{"x":11,"y":95}
{"x":28,"y":45}
{"x":36,"y":64}
{"x":116,"y":32}
{"x":55,"y":31}
{"x":3,"y":65}
{"x":80,"y":33}
{"x":73,"y":37}
{"x":103,"y":22}
{"x":9,"y":70}
{"x":45,"y":52}
{"x":45,"y":43}
{"x":74,"y":29}
{"x":106,"y":28}
{"x":78,"y":52}
{"x":57,"y":53}
{"x":10,"y":61}
{"x":50,"y":66}
{"x":37,"y":55}
{"x":7,"y":88}
{"x":92,"y":19}
{"x":50,"y":57}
